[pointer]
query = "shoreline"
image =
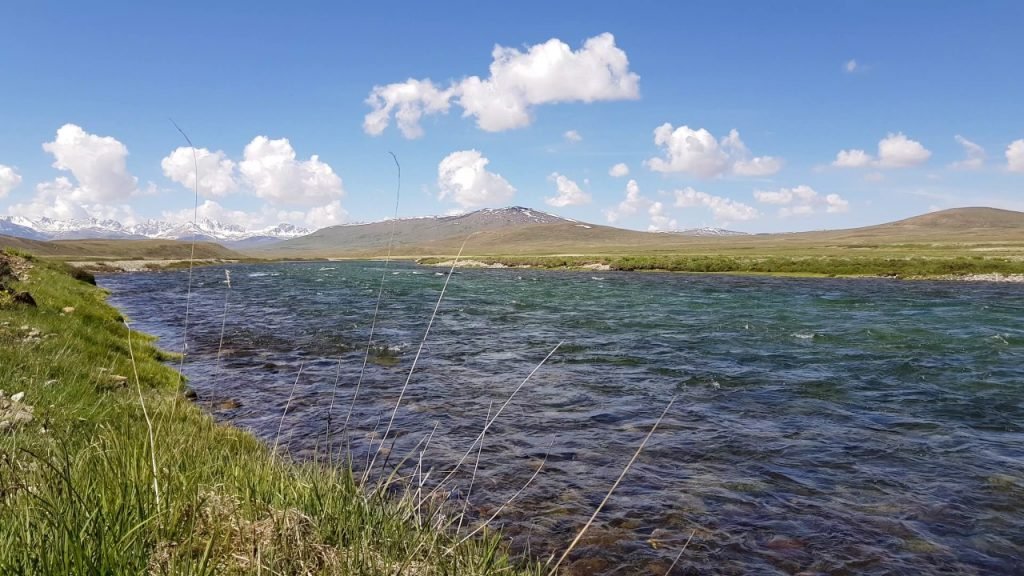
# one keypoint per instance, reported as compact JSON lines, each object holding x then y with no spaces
{"x":100,"y":432}
{"x":500,"y":263}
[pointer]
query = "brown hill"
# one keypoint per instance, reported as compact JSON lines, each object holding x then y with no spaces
{"x":119,"y":249}
{"x":520,"y":231}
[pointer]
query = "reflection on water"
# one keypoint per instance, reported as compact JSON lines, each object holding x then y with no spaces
{"x":821,"y":426}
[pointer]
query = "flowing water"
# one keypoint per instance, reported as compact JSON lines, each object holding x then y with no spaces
{"x":821,"y":426}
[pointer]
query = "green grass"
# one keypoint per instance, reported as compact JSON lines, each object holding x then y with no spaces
{"x":821,"y":265}
{"x":77,"y":485}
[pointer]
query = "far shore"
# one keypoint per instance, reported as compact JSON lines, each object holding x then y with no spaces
{"x":574,"y":263}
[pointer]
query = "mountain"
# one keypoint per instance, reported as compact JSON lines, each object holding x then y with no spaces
{"x":526,"y":232}
{"x":706,"y":231}
{"x":92,"y":228}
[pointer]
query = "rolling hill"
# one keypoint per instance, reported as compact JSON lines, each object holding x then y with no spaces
{"x":524,"y":232}
{"x":119,"y":249}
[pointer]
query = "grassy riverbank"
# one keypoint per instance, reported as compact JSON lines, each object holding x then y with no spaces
{"x":896,"y":267}
{"x":78,"y":493}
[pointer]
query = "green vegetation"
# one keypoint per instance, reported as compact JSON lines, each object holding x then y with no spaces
{"x":85,"y":490}
{"x":896,"y":267}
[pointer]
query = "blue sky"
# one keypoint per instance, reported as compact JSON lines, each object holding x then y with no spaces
{"x":87,"y":90}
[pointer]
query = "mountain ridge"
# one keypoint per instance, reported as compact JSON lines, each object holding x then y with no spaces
{"x":206,"y":229}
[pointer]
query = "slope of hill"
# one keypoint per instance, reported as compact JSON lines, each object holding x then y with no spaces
{"x":521,"y":231}
{"x":119,"y":249}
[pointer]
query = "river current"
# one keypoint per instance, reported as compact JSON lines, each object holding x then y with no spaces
{"x":820,"y":426}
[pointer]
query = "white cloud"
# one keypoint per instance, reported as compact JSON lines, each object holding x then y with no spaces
{"x":318,"y":217}
{"x":101,"y":185}
{"x":572,"y":136}
{"x":874,"y":177}
{"x":569,"y":193}
{"x":212,"y":210}
{"x":216,"y":170}
{"x":835,"y":204}
{"x":852,"y":159}
{"x":329,"y":214}
{"x":98,"y":163}
{"x":544,"y":74}
{"x":409,"y":100}
{"x":975,"y":155}
{"x":850,"y":66}
{"x":723,"y":209}
{"x":898,"y":151}
{"x":1015,"y":156}
{"x":60,"y":199}
{"x":272,"y":172}
{"x":9,"y":180}
{"x":801,"y":200}
{"x":894,"y":151}
{"x":619,"y":170}
{"x":463,"y":177}
{"x":697,"y":152}
{"x":659,"y":220}
{"x":631,"y":205}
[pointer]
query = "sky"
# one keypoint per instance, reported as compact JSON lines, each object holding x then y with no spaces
{"x":752,"y":116}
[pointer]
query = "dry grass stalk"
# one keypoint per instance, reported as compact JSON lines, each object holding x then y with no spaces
{"x":576,"y":540}
{"x":145,"y":412}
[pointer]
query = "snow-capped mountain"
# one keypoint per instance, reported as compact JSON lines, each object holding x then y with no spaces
{"x":705,"y":231}
{"x":206,"y":229}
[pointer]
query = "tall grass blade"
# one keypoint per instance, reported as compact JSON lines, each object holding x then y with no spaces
{"x":607,"y":496}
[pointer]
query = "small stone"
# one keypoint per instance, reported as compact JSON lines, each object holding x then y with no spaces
{"x":68,"y":309}
{"x":229,"y":404}
{"x":118,"y":379}
{"x":17,"y":397}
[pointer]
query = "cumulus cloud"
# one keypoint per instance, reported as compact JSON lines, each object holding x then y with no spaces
{"x":633,"y":203}
{"x":659,"y":220}
{"x":9,"y":180}
{"x":99,"y":186}
{"x":572,"y":136}
{"x":801,"y":200}
{"x":546,"y":73}
{"x":853,"y":159}
{"x":60,"y":199}
{"x":898,"y":151}
{"x":463,"y":178}
{"x":975,"y":155}
{"x":1015,"y":156}
{"x":699,"y":153}
{"x":619,"y":170}
{"x":216,"y":170}
{"x":569,"y":193}
{"x":894,"y":151}
{"x":272,"y":171}
{"x":723,"y":209}
{"x":330,"y":214}
{"x":409,"y":101}
{"x":212,"y":210}
{"x":98,"y":164}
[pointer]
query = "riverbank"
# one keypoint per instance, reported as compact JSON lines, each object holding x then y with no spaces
{"x":983,"y":269}
{"x":106,"y":467}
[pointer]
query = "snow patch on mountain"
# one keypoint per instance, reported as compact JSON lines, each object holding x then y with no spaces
{"x":207,"y":229}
